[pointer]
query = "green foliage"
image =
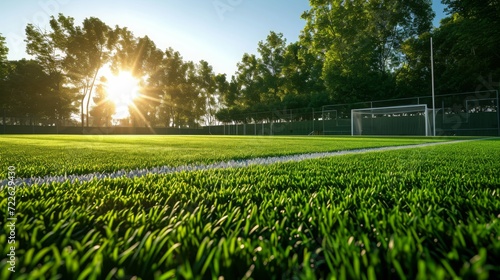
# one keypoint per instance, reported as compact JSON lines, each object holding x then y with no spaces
{"x":272,"y":61}
{"x":355,"y":51}
{"x":174,"y":92}
{"x":349,"y":51}
{"x":182,"y":104}
{"x":280,"y":77}
{"x":360,"y":42}
{"x":88,"y":49}
{"x":487,"y":10}
{"x":473,"y":54}
{"x":142,"y":58}
{"x":27,"y":90}
{"x":3,"y":55}
{"x":49,"y":50}
{"x":423,"y":213}
{"x":207,"y":86}
{"x":104,"y":109}
{"x":3,"y":71}
{"x":465,"y":50}
{"x":414,"y":77}
{"x":302,"y":72}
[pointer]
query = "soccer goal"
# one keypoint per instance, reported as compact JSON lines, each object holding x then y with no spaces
{"x":396,"y":120}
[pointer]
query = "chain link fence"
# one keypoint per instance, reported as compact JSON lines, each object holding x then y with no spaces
{"x":471,"y":113}
{"x":466,"y":114}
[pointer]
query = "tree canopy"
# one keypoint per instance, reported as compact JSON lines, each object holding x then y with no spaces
{"x":3,"y":53}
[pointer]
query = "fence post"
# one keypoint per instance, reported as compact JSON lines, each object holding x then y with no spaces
{"x":32,"y":122}
{"x":4,"y":120}
{"x":313,"y":119}
{"x":323,"y":119}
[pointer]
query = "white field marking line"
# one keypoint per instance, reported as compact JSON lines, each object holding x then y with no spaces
{"x":137,"y":173}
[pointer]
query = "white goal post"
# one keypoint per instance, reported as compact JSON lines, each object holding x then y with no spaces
{"x":395,"y":120}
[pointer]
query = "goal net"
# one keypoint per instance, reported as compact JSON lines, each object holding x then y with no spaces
{"x":396,"y":120}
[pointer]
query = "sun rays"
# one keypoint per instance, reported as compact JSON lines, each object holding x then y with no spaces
{"x":123,"y":90}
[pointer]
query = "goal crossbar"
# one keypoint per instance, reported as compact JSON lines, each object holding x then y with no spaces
{"x":391,"y":109}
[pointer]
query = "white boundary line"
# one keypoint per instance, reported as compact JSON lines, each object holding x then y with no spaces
{"x":218,"y":165}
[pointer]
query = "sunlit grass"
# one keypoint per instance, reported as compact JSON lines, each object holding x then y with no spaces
{"x":39,"y":155}
{"x":425,"y":213}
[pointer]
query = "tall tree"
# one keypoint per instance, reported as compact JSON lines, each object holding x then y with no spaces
{"x":360,"y":42}
{"x":143,"y":60}
{"x":207,"y":87}
{"x":249,"y":81}
{"x":171,"y":78}
{"x":88,"y":49}
{"x":193,"y":106}
{"x":302,"y":84}
{"x":272,"y":52}
{"x":3,"y":72}
{"x":413,"y":78}
{"x":229,"y":92}
{"x":468,"y":42}
{"x":222,"y":88}
{"x":27,"y":91}
{"x":104,"y":109}
{"x":466,"y":47}
{"x":278,"y":77}
{"x":49,"y":49}
{"x":483,"y":10}
{"x":3,"y":56}
{"x":182,"y":104}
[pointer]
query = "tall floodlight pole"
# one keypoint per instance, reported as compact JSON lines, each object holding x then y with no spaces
{"x":498,"y":113}
{"x":433,"y":101}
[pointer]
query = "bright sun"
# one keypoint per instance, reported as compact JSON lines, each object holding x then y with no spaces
{"x":122,"y":90}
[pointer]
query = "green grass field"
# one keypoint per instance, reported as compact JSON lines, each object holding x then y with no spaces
{"x":424,"y":213}
{"x":41,"y":155}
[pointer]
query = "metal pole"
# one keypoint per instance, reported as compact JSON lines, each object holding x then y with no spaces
{"x":5,"y":124}
{"x":352,"y":123}
{"x":442,"y":111}
{"x":323,"y":118}
{"x":313,"y":120}
{"x":498,"y":113}
{"x":426,"y":122}
{"x":432,"y":89}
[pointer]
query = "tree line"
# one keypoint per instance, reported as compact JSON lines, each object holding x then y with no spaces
{"x":66,"y":75}
{"x":348,"y":51}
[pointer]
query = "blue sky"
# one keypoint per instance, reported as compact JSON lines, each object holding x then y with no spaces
{"x":218,"y":31}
